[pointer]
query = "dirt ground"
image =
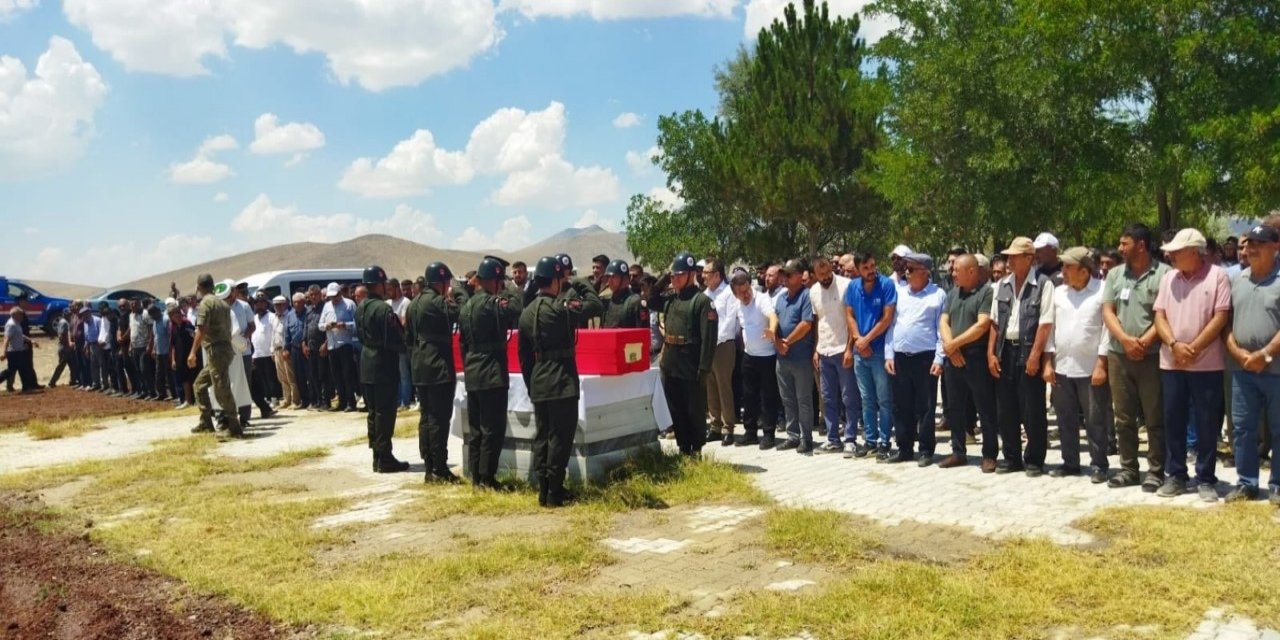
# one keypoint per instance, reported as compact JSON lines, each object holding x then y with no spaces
{"x":63,"y":403}
{"x":57,"y":585}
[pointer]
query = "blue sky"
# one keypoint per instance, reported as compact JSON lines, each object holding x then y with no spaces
{"x":137,"y":136}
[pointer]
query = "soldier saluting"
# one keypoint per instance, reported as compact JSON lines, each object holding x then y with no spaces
{"x":549,"y":365}
{"x":690,"y":342}
{"x":575,"y":288}
{"x":430,"y":321}
{"x":382,"y":339}
{"x":623,"y":308}
{"x":483,"y":326}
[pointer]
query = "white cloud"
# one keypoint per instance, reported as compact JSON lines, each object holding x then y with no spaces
{"x":46,"y":120}
{"x":511,"y":139}
{"x":556,"y":184}
{"x":620,"y":9}
{"x":11,"y":8}
{"x":31,"y":231}
{"x":667,"y":197}
{"x":627,"y":120}
{"x":641,"y":162}
{"x":378,"y":45}
{"x":262,"y":223}
{"x":123,"y":262}
{"x":513,"y":235}
{"x":271,"y":137}
{"x":295,"y":160}
{"x":591,"y":217}
{"x":762,"y":13}
{"x":203,"y":168}
{"x":221,"y":196}
{"x":412,"y":168}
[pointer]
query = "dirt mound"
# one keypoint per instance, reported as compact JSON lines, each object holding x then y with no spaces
{"x":65,"y":403}
{"x":55,"y":585}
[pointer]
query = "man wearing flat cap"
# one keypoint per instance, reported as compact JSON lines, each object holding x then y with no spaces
{"x":1022,"y":319}
{"x":913,"y":358}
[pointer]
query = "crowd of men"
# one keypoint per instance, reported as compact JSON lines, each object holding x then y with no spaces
{"x":1172,"y":336}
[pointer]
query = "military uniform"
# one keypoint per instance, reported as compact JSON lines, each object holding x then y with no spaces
{"x":429,"y":332}
{"x":549,"y":365}
{"x":382,"y":342}
{"x":213,"y":317}
{"x":689,"y":347}
{"x":483,"y":326}
{"x":625,"y":310}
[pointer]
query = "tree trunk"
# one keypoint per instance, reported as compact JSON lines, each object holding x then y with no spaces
{"x":811,"y":241}
{"x":1166,"y":215}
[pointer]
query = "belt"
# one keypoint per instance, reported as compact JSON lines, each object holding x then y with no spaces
{"x":677,"y":340}
{"x":488,"y":347}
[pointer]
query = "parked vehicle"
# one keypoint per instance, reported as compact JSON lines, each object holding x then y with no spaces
{"x":113,"y":297}
{"x":41,"y":309}
{"x":286,"y":283}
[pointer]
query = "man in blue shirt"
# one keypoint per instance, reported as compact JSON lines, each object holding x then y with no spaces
{"x":870,"y":306}
{"x":913,"y":356}
{"x":295,"y":334}
{"x":790,"y":328}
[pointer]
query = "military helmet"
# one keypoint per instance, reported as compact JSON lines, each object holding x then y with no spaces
{"x":617,"y":268}
{"x":550,"y":268}
{"x":566,"y":261}
{"x":374,"y":274}
{"x":438,"y":273}
{"x":492,"y":268}
{"x":684,"y":263}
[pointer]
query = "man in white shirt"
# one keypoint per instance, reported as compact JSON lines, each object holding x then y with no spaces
{"x":761,"y":399}
{"x":720,"y":404}
{"x":1077,"y":366}
{"x":839,"y":384}
{"x":338,"y":321}
{"x":263,"y":378}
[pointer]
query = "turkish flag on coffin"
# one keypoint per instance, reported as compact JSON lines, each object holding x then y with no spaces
{"x":605,"y":352}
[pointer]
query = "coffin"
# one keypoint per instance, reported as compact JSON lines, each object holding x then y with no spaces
{"x":602,"y":352}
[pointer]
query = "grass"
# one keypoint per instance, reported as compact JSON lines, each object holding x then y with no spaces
{"x":255,"y":545}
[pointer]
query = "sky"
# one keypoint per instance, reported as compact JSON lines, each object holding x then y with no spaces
{"x":138,"y":136}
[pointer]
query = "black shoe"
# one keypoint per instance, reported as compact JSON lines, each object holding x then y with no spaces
{"x":788,"y":445}
{"x":882,"y":455}
{"x":746,"y":440}
{"x":1242,"y":492}
{"x":559,"y":497}
{"x":1123,"y":479}
{"x":349,"y":410}
{"x":1098,"y":476}
{"x":1034,"y":471}
{"x":387,"y":463}
{"x":445,"y":476}
{"x":900,"y":458}
{"x":924,"y":459}
{"x":269,"y":413}
{"x":727,"y":440}
{"x":1063,"y":472}
{"x":203,"y":428}
{"x":1152,"y":483}
{"x":767,"y":442}
{"x":862,"y":451}
{"x":1172,"y":488}
{"x":1005,"y":467}
{"x":805,"y":448}
{"x":542,"y":494}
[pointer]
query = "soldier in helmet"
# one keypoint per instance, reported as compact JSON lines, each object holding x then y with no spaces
{"x":579,"y":289}
{"x":549,"y":365}
{"x":689,"y":346}
{"x":382,"y":341}
{"x":623,"y":308}
{"x":483,"y":326}
{"x":430,"y":321}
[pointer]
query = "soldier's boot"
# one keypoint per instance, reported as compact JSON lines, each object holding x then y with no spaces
{"x":234,"y":428}
{"x":543,"y":489}
{"x":387,"y":463}
{"x":206,"y":422}
{"x":443,"y":475}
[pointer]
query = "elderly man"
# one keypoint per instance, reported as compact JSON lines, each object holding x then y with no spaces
{"x":720,"y":404}
{"x":1048,"y":263}
{"x":790,"y":328}
{"x":870,"y":304}
{"x":839,"y":384}
{"x":1022,"y":319}
{"x":289,"y":393}
{"x":295,"y":339}
{"x":963,"y":326}
{"x":338,"y":321}
{"x":1128,"y":308}
{"x":913,"y":358}
{"x":17,"y":351}
{"x":1254,"y":344}
{"x":1077,"y":367}
{"x":761,"y":400}
{"x":999,"y":269}
{"x":897,"y":263}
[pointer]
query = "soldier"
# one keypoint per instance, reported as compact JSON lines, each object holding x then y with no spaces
{"x":382,"y":342}
{"x":430,"y":336}
{"x":213,"y":332}
{"x":482,"y":326}
{"x":550,"y":369}
{"x":691,"y":328}
{"x":624,"y":309}
{"x":580,"y":289}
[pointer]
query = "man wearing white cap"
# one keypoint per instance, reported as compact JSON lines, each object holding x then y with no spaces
{"x":1192,"y":310}
{"x":289,"y":396}
{"x":897,"y":259}
{"x":338,"y":320}
{"x":1047,"y":262}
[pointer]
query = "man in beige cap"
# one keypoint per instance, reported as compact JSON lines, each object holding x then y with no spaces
{"x":1128,"y":309}
{"x":1077,"y":367}
{"x":1021,"y":319}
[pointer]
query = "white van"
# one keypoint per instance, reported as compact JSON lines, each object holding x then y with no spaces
{"x":286,"y":283}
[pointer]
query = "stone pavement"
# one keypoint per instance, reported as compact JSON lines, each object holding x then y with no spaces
{"x":991,"y":505}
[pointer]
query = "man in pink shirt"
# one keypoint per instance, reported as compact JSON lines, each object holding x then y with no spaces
{"x":1192,"y":310}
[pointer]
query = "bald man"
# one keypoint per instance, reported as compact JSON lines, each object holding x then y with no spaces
{"x":966,"y":318}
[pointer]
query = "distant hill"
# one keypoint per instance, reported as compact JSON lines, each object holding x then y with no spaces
{"x":401,"y":258}
{"x":63,"y":290}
